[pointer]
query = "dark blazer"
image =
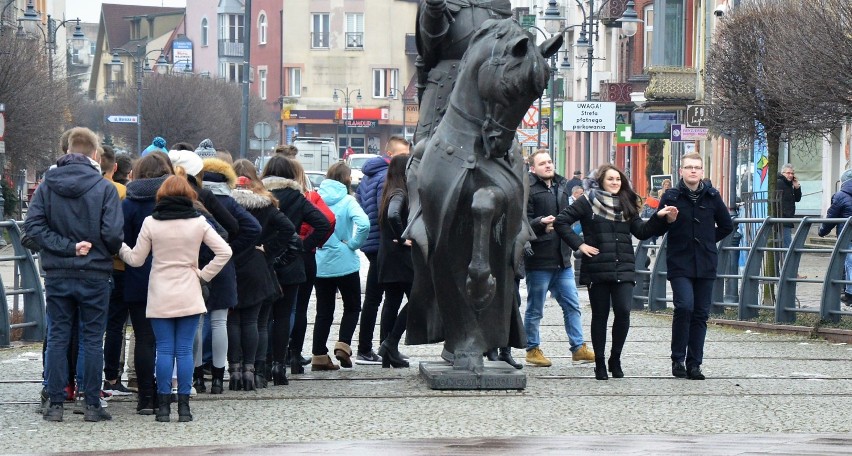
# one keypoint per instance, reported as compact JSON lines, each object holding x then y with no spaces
{"x":395,"y":257}
{"x":841,"y":207}
{"x":548,"y":251}
{"x":691,"y":248}
{"x":789,"y":196}
{"x":615,"y":261}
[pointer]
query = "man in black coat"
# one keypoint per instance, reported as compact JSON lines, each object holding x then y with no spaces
{"x":691,"y":257}
{"x":75,"y":217}
{"x":548,"y":268}
{"x":791,"y":193}
{"x":575,"y":181}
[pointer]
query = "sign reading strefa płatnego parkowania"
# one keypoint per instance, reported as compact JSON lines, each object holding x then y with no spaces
{"x":588,"y":116}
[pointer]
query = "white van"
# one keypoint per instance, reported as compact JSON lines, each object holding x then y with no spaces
{"x":315,"y":154}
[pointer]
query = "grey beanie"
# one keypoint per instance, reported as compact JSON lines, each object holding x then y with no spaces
{"x":846,"y":176}
{"x":205,"y":149}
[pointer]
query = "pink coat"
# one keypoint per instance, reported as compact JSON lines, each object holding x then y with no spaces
{"x":174,"y":289}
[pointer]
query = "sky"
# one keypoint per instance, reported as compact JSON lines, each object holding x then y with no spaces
{"x":89,"y":10}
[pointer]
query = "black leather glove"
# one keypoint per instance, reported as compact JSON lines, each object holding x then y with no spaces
{"x":205,"y":289}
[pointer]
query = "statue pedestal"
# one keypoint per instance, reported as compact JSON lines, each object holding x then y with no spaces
{"x":495,"y":375}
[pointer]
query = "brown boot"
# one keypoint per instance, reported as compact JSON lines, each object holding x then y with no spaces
{"x":343,"y":353}
{"x":323,"y":363}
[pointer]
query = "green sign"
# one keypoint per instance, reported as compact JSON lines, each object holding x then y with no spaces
{"x":624,"y":135}
{"x":527,"y":20}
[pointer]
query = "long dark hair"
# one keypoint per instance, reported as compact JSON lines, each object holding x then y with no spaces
{"x":395,"y":181}
{"x":279,"y":166}
{"x":630,"y":202}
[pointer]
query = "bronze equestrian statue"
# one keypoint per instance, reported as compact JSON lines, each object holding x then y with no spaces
{"x":469,"y":223}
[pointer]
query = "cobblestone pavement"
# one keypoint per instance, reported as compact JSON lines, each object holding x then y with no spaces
{"x":765,"y":394}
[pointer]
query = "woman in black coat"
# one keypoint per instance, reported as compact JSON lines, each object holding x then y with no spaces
{"x":256,"y":282}
{"x":396,"y":273}
{"x":609,"y":215}
{"x":278,"y":178}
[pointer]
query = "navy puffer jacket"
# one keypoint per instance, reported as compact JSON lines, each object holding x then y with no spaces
{"x":369,"y":194}
{"x":841,"y":207}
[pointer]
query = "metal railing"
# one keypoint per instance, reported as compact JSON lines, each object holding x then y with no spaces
{"x":27,"y":284}
{"x":752,"y":286}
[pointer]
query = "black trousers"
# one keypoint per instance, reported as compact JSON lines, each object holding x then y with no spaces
{"x":350,"y":291}
{"x":116,"y":322}
{"x":281,"y":310}
{"x":144,"y":350}
{"x":300,"y":323}
{"x":393,"y":299}
{"x":243,"y":334}
{"x":370,"y":309}
{"x":602,"y":296}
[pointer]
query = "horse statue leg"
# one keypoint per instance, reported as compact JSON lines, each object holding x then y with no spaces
{"x":481,"y":286}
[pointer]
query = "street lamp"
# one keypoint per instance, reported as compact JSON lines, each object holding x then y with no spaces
{"x":30,"y":14}
{"x":629,"y":23}
{"x":78,"y":39}
{"x":393,"y":93}
{"x":553,"y":27}
{"x":140,"y":63}
{"x":346,"y":96}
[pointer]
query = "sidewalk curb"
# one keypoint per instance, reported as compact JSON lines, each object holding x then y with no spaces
{"x":829,"y":334}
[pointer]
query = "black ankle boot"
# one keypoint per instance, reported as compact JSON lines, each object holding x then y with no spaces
{"x":506,"y":356}
{"x":491,"y":355}
{"x":615,"y":367}
{"x":198,"y":380}
{"x":184,"y":414}
{"x":390,"y":355}
{"x":235,"y":377}
{"x":260,"y":377}
{"x":145,"y":406}
{"x":248,"y":377}
{"x":217,"y":385}
{"x":296,"y":363}
{"x":165,"y":407}
{"x":600,"y":369}
{"x":279,"y":375}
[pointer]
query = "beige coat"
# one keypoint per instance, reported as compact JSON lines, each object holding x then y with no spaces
{"x":174,"y":289}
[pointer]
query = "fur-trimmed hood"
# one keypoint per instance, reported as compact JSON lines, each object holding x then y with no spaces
{"x":250,"y":200}
{"x":213,"y":166}
{"x":275,"y":182}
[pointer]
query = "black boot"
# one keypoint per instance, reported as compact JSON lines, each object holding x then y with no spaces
{"x":390,"y":355}
{"x":296,"y":365}
{"x":248,"y":377}
{"x":615,"y":367}
{"x":165,"y":407}
{"x":235,"y":377}
{"x":184,"y":414}
{"x":198,"y":380}
{"x":600,"y":369}
{"x":506,"y":356}
{"x":217,"y":385}
{"x":491,"y":355}
{"x":145,"y":406}
{"x":279,"y":374}
{"x":260,"y":375}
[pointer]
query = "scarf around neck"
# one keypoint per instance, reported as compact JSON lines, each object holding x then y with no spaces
{"x":606,"y":205}
{"x":174,"y":208}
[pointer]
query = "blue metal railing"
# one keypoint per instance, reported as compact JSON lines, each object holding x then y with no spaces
{"x":28,"y":285}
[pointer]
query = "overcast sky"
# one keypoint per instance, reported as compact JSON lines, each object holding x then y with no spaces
{"x":90,"y":10}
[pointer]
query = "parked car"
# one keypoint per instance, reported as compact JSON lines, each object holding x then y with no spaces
{"x":315,"y":178}
{"x":356,"y":162}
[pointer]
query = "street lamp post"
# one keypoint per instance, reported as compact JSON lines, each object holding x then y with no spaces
{"x":629,"y":22}
{"x":31,"y":15}
{"x":140,"y":63}
{"x":551,"y":83}
{"x":77,"y":38}
{"x":346,"y":96}
{"x":394,"y":92}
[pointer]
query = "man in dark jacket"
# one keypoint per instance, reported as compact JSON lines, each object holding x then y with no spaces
{"x":841,"y":207}
{"x":575,"y":181}
{"x":691,"y":258}
{"x":369,"y":195}
{"x":548,"y":268}
{"x":75,"y":217}
{"x":791,"y":193}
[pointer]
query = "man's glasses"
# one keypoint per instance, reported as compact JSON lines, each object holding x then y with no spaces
{"x":692,"y":168}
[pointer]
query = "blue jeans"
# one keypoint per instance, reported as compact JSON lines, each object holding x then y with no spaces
{"x":786,"y":236}
{"x":560,"y":283}
{"x":689,"y":324}
{"x":90,"y":297}
{"x":174,"y":344}
{"x":848,"y":265}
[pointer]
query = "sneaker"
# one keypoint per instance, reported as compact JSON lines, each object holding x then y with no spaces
{"x":53,"y":412}
{"x":536,"y":357}
{"x":44,"y":401}
{"x":106,"y":395}
{"x":79,"y":404}
{"x":368,"y":358}
{"x":69,"y":393}
{"x":174,"y":395}
{"x":193,"y":392}
{"x":132,"y":384}
{"x":116,"y":389}
{"x":846,"y":298}
{"x":584,"y":353}
{"x":95,"y":413}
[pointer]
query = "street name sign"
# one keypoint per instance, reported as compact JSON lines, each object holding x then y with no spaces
{"x":122,"y":119}
{"x":588,"y":116}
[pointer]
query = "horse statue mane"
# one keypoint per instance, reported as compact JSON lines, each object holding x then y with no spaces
{"x":468,"y":197}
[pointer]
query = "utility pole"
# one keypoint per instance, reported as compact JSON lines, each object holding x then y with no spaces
{"x":244,"y":119}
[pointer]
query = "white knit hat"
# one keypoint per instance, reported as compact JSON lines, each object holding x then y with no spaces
{"x":188,"y":160}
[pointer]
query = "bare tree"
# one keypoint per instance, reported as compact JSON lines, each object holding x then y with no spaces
{"x":36,"y":105}
{"x":185,"y":108}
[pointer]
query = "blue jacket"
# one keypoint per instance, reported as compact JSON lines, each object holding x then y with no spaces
{"x":75,"y":203}
{"x":139,"y":203}
{"x":369,"y":194}
{"x":691,"y":248}
{"x":338,"y":256}
{"x":841,"y":207}
{"x":223,"y":287}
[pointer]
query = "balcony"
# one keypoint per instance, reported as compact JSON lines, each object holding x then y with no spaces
{"x":354,"y":40}
{"x":618,"y":92}
{"x":671,"y":83}
{"x":228,"y":48}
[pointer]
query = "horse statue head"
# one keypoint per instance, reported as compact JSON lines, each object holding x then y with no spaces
{"x":510,"y":72}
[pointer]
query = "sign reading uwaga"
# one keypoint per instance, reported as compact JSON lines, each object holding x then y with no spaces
{"x":588,"y":116}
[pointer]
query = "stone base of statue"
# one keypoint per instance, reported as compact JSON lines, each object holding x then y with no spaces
{"x":470,"y":372}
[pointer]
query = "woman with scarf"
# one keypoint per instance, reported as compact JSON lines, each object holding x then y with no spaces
{"x":609,"y":215}
{"x":173,"y":234}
